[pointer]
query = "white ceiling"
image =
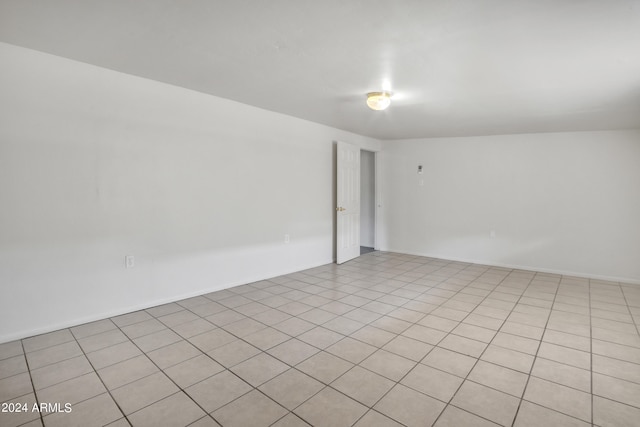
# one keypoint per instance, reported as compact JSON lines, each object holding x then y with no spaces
{"x":456,"y":67}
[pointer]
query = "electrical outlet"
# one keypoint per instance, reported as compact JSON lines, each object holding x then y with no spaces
{"x":129,"y":261}
{"x":286,"y":238}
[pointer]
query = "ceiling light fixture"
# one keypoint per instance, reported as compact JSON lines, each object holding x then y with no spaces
{"x":378,"y":100}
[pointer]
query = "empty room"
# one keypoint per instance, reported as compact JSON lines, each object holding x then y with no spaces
{"x":327,"y":213}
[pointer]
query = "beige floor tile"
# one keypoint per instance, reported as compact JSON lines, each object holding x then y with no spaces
{"x":271,"y":317}
{"x":449,"y":361}
{"x":92,"y":328}
{"x":102,"y":340}
{"x":463,"y":345}
{"x":527,"y":331}
{"x":226,"y":317}
{"x":439,"y":323}
{"x":143,"y":392}
{"x":499,"y":378}
{"x":294,"y":326}
{"x":373,"y":336}
{"x":532,"y":415}
{"x":456,"y":417}
{"x":122,"y":373}
{"x":27,"y":418}
{"x":193,"y":370}
{"x":607,"y":413}
{"x":376,"y":419}
{"x":317,"y":316}
{"x":53,"y":354}
{"x":208,"y":309}
{"x":175,"y":319}
{"x":409,"y":407}
{"x":164,"y":309}
{"x":616,"y":351}
{"x":173,"y":354}
{"x":361,"y":315}
{"x":616,"y":368}
{"x":487,"y":403}
{"x":567,"y":340}
{"x":433,"y":382}
{"x":293,"y":351}
{"x":562,"y":374}
{"x":324,"y":367}
{"x":515,"y":342}
{"x":570,"y":328}
{"x":267,"y":338}
{"x":157,"y":340}
{"x":559,"y":398}
{"x":424,"y":334}
{"x":483,"y":321}
{"x":408,"y":347}
{"x":294,"y":308}
{"x":252,"y":309}
{"x":508,"y":358}
{"x":329,"y":408}
{"x":73,"y":391}
{"x":352,"y":350}
{"x":175,"y":410}
{"x":290,"y":420}
{"x":291,"y":388}
{"x":253,"y":409}
{"x":569,"y":356}
{"x":244,"y":327}
{"x":97,"y":411}
{"x":114,"y":354}
{"x":388,"y":365}
{"x":212,"y":339}
{"x":15,"y":386}
{"x":218,"y":390}
{"x":143,"y":328}
{"x":343,"y":325}
{"x":259,"y":369}
{"x":363,"y":385}
{"x":632,"y":340}
{"x":193,"y":328}
{"x":233,"y":353}
{"x":11,"y":349}
{"x":476,"y":333}
{"x":40,"y":342}
{"x":391,"y":324}
{"x":616,"y":389}
{"x":320,"y":337}
{"x":12,"y":366}
{"x":59,"y":372}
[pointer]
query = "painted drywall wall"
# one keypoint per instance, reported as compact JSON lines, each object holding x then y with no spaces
{"x":367,"y":199}
{"x":96,"y":165}
{"x":559,"y":202}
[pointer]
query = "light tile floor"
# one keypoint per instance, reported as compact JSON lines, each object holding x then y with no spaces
{"x":384,"y":340}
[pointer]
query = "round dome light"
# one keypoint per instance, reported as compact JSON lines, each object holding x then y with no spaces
{"x":378,"y":100}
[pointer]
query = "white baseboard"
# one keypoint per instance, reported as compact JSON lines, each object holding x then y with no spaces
{"x":124,"y":310}
{"x":625,"y":280}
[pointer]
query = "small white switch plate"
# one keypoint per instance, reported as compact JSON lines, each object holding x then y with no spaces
{"x":492,"y":234}
{"x":129,"y":261}
{"x":421,"y":183}
{"x":286,"y":238}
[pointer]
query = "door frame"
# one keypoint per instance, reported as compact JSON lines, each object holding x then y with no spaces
{"x":377,"y":196}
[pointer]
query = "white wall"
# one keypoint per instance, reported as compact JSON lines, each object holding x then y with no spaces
{"x":96,"y":165}
{"x":560,"y":202}
{"x":367,"y":199}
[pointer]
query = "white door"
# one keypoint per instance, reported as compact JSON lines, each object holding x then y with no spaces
{"x":348,"y":202}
